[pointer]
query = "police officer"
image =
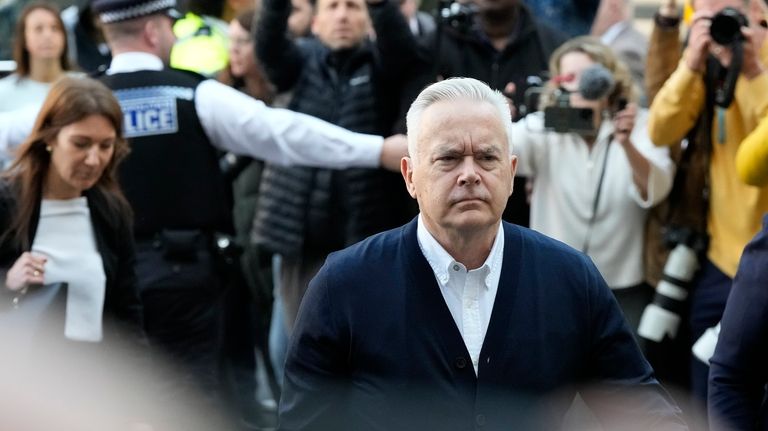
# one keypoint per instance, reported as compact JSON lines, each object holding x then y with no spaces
{"x":176,"y":121}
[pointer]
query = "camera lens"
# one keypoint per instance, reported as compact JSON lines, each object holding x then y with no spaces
{"x":726,"y":26}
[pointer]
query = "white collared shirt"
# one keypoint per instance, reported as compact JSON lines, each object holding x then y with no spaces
{"x":242,"y":125}
{"x":469,"y":295}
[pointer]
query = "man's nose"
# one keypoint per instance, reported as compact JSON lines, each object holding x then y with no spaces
{"x":468,"y":174}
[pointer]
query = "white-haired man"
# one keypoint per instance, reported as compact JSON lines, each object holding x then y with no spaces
{"x":458,"y":320}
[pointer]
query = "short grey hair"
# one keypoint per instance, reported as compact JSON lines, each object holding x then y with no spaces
{"x":456,"y":89}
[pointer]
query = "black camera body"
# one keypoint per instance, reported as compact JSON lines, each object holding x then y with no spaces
{"x":561,"y":117}
{"x":456,"y":15}
{"x":726,"y":26}
{"x":567,"y":119}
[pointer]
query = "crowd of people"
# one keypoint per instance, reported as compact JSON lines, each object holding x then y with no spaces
{"x":218,"y":185}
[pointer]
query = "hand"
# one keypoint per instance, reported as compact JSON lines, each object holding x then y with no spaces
{"x":28,"y":269}
{"x":394,"y":149}
{"x":668,"y":9}
{"x":753,"y":40}
{"x":623,"y":123}
{"x":699,"y":41}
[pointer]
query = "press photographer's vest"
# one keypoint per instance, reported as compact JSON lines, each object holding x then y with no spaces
{"x":171,"y":177}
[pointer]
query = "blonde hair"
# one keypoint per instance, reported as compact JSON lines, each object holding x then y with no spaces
{"x":601,"y":54}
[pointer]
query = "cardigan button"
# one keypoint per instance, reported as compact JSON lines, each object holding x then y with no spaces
{"x":480,"y":420}
{"x":460,"y":362}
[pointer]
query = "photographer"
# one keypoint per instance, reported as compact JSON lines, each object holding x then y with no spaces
{"x":592,"y":189}
{"x":499,"y":42}
{"x":693,"y":104}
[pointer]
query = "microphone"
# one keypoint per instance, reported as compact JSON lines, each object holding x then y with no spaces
{"x":596,"y":82}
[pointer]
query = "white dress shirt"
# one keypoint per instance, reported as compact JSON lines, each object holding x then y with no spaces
{"x":242,"y":125}
{"x":65,"y":236}
{"x":469,"y":295}
{"x":565,"y":176}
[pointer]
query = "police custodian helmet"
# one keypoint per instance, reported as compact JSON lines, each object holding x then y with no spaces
{"x":110,"y":11}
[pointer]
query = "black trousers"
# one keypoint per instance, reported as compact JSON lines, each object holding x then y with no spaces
{"x":183,"y":315}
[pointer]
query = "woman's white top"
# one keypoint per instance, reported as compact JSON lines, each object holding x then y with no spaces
{"x":566,"y":173}
{"x":66,"y":237}
{"x":16,"y":93}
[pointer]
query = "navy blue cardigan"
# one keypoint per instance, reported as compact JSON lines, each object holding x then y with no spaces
{"x":739,"y":368}
{"x":376,"y":348}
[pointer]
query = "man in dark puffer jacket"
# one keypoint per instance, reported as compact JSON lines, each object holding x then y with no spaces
{"x":342,"y":77}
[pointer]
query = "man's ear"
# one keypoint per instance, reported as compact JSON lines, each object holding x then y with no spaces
{"x":513,"y":169}
{"x":151,"y":32}
{"x":406,"y":168}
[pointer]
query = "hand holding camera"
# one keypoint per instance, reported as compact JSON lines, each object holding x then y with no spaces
{"x":716,"y":34}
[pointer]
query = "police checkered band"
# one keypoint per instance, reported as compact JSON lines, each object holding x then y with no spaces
{"x":136,"y":11}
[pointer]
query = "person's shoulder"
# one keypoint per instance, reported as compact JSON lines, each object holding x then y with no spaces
{"x":376,"y":248}
{"x":536,"y":245}
{"x":9,"y":82}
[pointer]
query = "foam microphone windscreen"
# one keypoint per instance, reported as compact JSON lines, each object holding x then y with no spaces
{"x":596,"y":82}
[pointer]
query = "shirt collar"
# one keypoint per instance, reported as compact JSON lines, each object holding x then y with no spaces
{"x":133,"y":62}
{"x":442,"y":263}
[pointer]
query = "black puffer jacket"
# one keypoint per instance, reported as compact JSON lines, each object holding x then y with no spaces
{"x":319,"y":209}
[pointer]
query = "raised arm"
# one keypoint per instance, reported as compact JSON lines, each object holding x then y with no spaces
{"x":399,"y":50}
{"x":277,"y":52}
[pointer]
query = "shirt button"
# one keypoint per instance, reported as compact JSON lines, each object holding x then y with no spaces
{"x":176,"y":269}
{"x":460,"y":362}
{"x":455,"y":267}
{"x":480,"y":420}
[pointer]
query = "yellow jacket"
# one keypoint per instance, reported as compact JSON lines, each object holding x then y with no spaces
{"x":735,"y":208}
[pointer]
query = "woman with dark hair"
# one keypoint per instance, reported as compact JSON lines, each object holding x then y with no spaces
{"x":40,"y":52}
{"x":63,"y":216}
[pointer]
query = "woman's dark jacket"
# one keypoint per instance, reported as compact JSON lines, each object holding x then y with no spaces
{"x":114,"y":241}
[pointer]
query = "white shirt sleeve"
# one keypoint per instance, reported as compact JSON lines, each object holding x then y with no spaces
{"x":15,"y":126}
{"x":243,"y":125}
{"x":662,"y":173}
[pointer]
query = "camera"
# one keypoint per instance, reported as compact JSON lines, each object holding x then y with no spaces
{"x":661,"y":318}
{"x":456,"y":14}
{"x":726,"y":26}
{"x":596,"y":83}
{"x":563,"y":118}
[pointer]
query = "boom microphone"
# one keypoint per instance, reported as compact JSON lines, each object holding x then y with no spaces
{"x":596,"y":82}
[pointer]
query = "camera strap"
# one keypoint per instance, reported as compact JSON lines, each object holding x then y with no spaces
{"x":598,"y":192}
{"x":725,"y":91}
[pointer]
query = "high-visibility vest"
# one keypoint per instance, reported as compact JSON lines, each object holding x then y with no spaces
{"x":202,"y":44}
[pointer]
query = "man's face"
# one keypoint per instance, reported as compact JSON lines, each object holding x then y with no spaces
{"x":462,"y":173}
{"x":341,"y":24}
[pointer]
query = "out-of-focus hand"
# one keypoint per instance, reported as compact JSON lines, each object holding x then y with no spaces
{"x":28,"y":269}
{"x":668,"y":9}
{"x":623,"y":123}
{"x":699,"y":41}
{"x":394,"y":149}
